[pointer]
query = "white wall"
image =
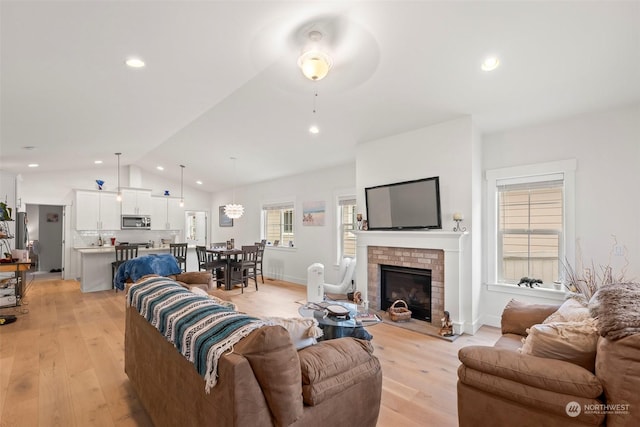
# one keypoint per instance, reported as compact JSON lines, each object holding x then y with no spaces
{"x":442,"y":150}
{"x":607,"y":149}
{"x":313,"y":244}
{"x":446,"y":150}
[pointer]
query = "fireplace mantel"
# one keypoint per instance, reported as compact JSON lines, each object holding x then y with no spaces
{"x":445,"y":240}
{"x":448,"y":241}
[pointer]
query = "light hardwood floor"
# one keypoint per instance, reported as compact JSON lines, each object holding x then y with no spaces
{"x":62,"y":362}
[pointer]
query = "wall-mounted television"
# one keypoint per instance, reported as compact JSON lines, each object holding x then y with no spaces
{"x":404,"y":205}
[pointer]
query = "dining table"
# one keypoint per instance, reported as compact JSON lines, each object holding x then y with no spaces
{"x":228,"y":255}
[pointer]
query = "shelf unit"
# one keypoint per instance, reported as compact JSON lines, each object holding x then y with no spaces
{"x":11,"y":295}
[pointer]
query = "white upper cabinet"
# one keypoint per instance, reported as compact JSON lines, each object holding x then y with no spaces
{"x":136,"y":202}
{"x":167,"y":213}
{"x":97,"y":210}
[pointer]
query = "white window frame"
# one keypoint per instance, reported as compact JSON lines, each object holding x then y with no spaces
{"x":529,"y":173}
{"x":342,"y":200}
{"x":281,"y":206}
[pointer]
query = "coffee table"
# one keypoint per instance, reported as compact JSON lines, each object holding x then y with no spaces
{"x":338,"y":327}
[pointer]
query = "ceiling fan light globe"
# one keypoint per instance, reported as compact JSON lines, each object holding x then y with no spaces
{"x":315,"y":65}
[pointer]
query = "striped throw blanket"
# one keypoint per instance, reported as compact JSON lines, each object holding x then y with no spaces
{"x":201,"y":330}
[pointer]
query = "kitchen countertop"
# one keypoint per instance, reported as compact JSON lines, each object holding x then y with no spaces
{"x":109,"y":249}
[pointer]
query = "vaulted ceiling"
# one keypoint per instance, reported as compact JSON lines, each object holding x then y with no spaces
{"x":221,"y":78}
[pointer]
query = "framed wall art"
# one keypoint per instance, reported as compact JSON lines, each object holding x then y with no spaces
{"x":223,"y":219}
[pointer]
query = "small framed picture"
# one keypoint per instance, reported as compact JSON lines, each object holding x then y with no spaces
{"x":223,"y":219}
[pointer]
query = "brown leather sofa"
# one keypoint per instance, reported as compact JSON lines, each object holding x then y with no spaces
{"x":499,"y":386}
{"x":263,"y":382}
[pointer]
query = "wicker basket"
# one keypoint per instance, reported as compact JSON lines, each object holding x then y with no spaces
{"x":399,"y":314}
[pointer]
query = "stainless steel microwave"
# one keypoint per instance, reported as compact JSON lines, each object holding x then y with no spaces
{"x":130,"y":222}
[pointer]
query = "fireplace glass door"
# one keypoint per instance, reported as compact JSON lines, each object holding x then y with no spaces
{"x":412,"y":285}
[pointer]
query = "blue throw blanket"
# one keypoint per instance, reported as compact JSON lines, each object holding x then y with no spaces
{"x":200,"y":329}
{"x":136,"y":268}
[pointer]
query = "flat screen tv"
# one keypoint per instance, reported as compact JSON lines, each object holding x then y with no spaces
{"x":404,"y":205}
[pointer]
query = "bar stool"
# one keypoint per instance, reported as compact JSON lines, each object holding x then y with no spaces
{"x":123,"y":254}
{"x":179,"y":251}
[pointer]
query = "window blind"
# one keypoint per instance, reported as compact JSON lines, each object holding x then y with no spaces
{"x":277,"y":206}
{"x":346,"y":201}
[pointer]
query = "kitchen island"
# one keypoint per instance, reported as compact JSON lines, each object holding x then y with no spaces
{"x":95,"y":265}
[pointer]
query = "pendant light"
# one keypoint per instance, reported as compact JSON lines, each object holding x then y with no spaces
{"x":233,"y":210}
{"x":182,"y":186}
{"x":119,"y":196}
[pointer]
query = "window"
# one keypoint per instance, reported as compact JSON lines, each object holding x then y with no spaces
{"x":278,"y":223}
{"x":346,"y":225}
{"x":531,"y":227}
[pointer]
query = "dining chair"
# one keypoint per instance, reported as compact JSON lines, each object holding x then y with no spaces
{"x":123,"y":254}
{"x":208,"y":262}
{"x":245,"y":268}
{"x":260,"y":246}
{"x":179,"y":251}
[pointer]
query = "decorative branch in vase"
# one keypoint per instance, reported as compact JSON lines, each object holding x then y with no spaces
{"x":586,"y":281}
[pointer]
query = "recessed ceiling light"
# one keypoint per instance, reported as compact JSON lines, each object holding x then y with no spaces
{"x":160,"y":168}
{"x":314,"y":129}
{"x":33,"y":165}
{"x":199,"y":182}
{"x":97,"y":162}
{"x":490,"y":64}
{"x":135,"y":62}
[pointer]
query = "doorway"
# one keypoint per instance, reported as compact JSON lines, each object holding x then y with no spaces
{"x":44,"y":238}
{"x":196,"y":228}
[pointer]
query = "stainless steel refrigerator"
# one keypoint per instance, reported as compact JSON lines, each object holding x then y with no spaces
{"x":22,"y":235}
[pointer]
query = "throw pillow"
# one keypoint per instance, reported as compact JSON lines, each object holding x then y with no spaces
{"x":571,"y":310}
{"x":303,"y":330}
{"x":574,"y":342}
{"x":617,"y":307}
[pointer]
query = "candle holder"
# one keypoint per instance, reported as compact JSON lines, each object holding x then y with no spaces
{"x":457,"y":217}
{"x":457,"y":227}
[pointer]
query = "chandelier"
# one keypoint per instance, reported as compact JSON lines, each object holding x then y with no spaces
{"x":233,"y":210}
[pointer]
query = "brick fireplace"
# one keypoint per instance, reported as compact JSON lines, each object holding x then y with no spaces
{"x":439,"y":251}
{"x":423,"y":259}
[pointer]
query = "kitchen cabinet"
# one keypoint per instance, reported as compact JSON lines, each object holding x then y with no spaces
{"x":97,"y":210}
{"x":167,"y":213}
{"x":136,"y":202}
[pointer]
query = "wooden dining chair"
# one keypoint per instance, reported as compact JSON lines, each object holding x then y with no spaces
{"x":260,"y":246}
{"x":245,"y":267}
{"x":123,"y":254}
{"x":208,"y":262}
{"x":179,"y":251}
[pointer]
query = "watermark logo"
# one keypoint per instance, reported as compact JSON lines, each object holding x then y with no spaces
{"x":573,"y":409}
